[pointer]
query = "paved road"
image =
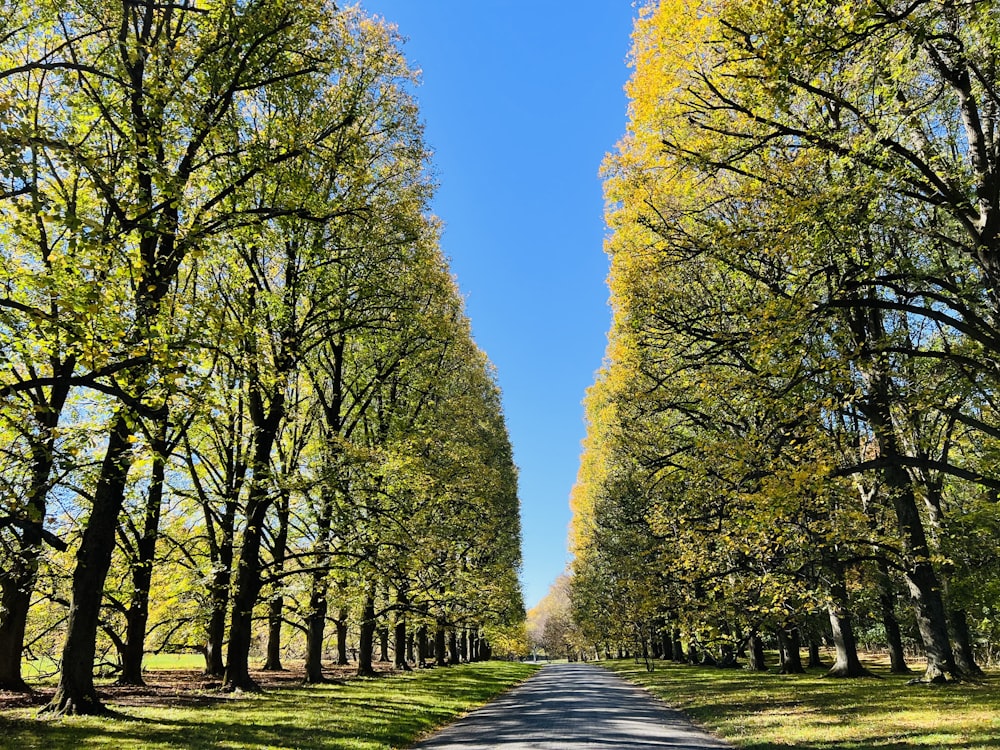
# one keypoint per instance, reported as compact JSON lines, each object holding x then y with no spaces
{"x":574,"y":707}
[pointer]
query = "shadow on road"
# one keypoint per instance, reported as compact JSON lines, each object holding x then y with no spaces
{"x":571,"y":706}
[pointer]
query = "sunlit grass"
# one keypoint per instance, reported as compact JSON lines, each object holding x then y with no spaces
{"x":173,"y":661}
{"x":45,"y":671}
{"x":361,"y":714}
{"x":768,"y":711}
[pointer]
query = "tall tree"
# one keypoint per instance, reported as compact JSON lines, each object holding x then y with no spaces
{"x":785,"y":260}
{"x":158,"y":85}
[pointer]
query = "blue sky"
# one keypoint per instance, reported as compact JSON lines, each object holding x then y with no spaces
{"x":521,"y":99}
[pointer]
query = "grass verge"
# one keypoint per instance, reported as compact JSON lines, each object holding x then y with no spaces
{"x":810,"y":712}
{"x":359,"y":714}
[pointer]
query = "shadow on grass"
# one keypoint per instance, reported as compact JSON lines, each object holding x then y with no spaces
{"x":761,"y":711}
{"x":362,"y":713}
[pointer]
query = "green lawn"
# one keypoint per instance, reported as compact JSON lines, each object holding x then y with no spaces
{"x":809,"y":712}
{"x":373,"y":714}
{"x":45,"y":671}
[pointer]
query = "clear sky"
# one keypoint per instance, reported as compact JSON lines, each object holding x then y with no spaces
{"x":521,"y":99}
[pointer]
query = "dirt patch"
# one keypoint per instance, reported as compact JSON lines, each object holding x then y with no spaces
{"x":183,"y":687}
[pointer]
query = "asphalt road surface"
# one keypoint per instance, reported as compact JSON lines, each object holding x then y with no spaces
{"x":571,"y":707}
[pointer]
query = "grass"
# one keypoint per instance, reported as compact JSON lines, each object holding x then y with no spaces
{"x":810,"y":712}
{"x":153,"y":662}
{"x":45,"y":670}
{"x":360,"y":714}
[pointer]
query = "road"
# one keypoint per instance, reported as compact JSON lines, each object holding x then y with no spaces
{"x":572,"y":707}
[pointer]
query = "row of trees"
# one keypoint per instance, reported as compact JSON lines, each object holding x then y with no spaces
{"x":796,"y":432}
{"x":239,"y":392}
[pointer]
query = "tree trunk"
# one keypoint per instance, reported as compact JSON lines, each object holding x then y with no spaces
{"x":666,"y":647}
{"x":318,"y":592}
{"x":655,"y":642}
{"x":789,"y":647}
{"x":218,"y":590}
{"x":958,"y":626}
{"x":341,"y":626}
{"x":692,"y":654}
{"x":893,"y":634}
{"x":15,"y":596}
{"x":367,"y":640}
{"x":276,"y":604}
{"x":847,"y":663}
{"x":815,"y":660}
{"x":728,"y":659}
{"x":76,"y":693}
{"x":422,"y":650}
{"x":221,"y":527}
{"x":142,"y":569}
{"x":463,"y":645}
{"x":677,"y":647}
{"x":215,"y":666}
{"x":402,"y":651}
{"x":965,"y":658}
{"x":921,"y":578}
{"x":247,"y":589}
{"x":440,"y":657}
{"x":922,"y":581}
{"x":248,"y":585}
{"x":18,"y":581}
{"x":315,"y":629}
{"x":868,"y":327}
{"x":399,"y":643}
{"x":272,"y":658}
{"x":925,"y":591}
{"x":453,"y":655}
{"x":756,"y":658}
{"x":248,"y":582}
{"x":383,"y":643}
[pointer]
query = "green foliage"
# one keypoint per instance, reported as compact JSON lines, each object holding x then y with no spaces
{"x":801,"y":367}
{"x":218,"y":260}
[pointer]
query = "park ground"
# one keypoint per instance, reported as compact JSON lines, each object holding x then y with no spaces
{"x":183,"y":709}
{"x":765,"y":711}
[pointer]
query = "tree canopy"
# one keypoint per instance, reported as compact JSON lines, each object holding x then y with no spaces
{"x":796,"y":415}
{"x":240,"y":396}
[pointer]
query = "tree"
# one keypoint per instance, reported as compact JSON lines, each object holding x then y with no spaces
{"x":217,"y":255}
{"x":54,"y":320}
{"x":166,"y":81}
{"x":550,"y":623}
{"x":789,"y":299}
